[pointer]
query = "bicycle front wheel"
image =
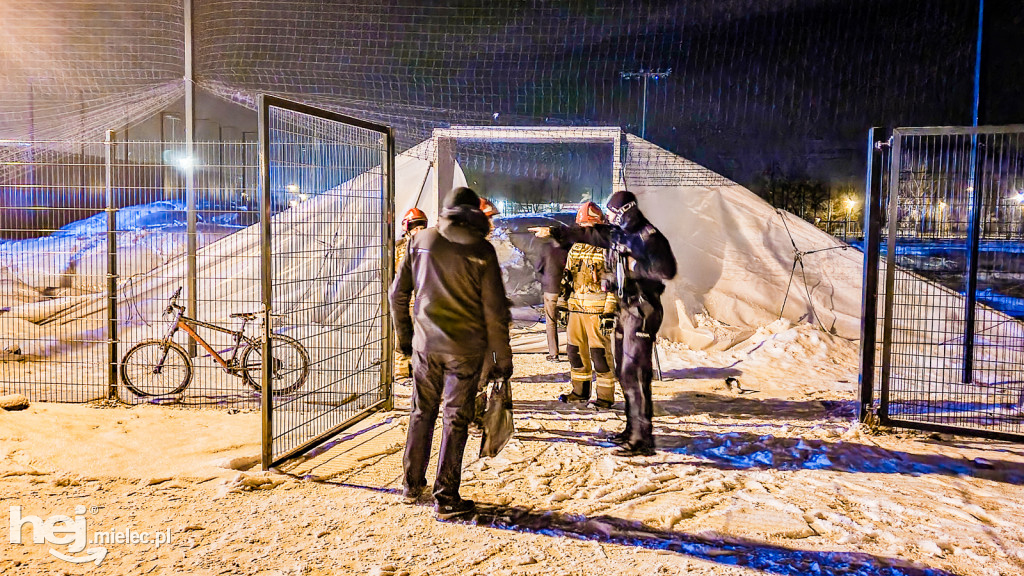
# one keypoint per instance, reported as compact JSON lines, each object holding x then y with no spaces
{"x":156,"y":368}
{"x":289,"y":365}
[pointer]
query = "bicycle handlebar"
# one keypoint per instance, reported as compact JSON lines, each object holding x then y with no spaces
{"x":173,"y":302}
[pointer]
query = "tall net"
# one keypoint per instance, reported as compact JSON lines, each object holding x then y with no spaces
{"x":752,"y":83}
{"x":72,"y":69}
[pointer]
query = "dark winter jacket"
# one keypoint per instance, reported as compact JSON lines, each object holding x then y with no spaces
{"x":651,"y":253}
{"x":550,"y":266}
{"x":461,"y":306}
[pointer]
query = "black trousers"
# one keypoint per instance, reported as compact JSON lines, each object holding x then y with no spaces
{"x":635,"y":331}
{"x":453,"y":380}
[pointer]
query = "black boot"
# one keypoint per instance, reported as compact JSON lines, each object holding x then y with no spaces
{"x":631,"y":450}
{"x":620,"y":438}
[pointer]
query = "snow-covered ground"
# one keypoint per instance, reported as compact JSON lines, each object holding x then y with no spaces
{"x":770,"y":476}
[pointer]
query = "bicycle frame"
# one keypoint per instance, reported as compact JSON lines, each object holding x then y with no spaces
{"x":189,"y":325}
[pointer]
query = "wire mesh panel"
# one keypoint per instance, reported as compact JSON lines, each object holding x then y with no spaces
{"x":950,"y":349}
{"x":53,"y":270}
{"x":189,"y":220}
{"x":96,"y":237}
{"x":327,"y":245}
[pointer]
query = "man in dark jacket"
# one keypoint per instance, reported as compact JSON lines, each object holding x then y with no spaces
{"x":551,"y":267}
{"x":461,"y":314}
{"x":645,"y":261}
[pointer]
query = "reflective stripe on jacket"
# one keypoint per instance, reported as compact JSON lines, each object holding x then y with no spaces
{"x":586,"y":266}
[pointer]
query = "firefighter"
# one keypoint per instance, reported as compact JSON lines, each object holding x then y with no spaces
{"x":489,"y":210}
{"x":644,"y":260}
{"x":591,"y":316}
{"x":413,"y":221}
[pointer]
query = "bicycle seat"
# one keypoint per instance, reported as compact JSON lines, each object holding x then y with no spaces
{"x":246,"y":315}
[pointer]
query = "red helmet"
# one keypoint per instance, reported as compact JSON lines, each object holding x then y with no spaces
{"x":590,"y":213}
{"x":489,"y":209}
{"x":414,"y":218}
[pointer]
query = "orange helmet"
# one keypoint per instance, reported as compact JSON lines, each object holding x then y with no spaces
{"x":590,"y":213}
{"x":414,"y":218}
{"x":489,"y":209}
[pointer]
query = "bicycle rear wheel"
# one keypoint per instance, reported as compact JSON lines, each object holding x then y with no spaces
{"x":155,"y":368}
{"x":289,"y":365}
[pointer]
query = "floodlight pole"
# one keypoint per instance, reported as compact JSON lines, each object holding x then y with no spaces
{"x":190,"y":188}
{"x":645,"y":75}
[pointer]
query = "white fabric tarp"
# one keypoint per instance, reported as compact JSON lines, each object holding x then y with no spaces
{"x":735,"y":254}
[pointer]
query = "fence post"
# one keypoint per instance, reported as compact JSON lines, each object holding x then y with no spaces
{"x":389,"y":271}
{"x":872,"y":246}
{"x":111,"y":209}
{"x":973,"y":253}
{"x":266,"y":286}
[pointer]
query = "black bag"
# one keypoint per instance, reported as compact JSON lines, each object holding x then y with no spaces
{"x":497,"y":426}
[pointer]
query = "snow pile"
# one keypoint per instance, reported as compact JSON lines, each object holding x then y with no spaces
{"x":736,"y":254}
{"x":73,"y":259}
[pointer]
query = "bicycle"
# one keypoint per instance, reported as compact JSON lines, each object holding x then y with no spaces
{"x":162,"y":367}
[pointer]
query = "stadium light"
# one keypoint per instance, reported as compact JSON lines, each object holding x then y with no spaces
{"x":1019,"y":196}
{"x":644,"y":76}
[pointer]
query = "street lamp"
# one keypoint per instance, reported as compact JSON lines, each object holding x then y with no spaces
{"x":850,"y":203}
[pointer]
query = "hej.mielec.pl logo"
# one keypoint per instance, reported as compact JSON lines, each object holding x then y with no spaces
{"x":73,"y":532}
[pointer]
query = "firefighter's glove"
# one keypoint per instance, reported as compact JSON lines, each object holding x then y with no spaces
{"x":563,"y":317}
{"x":607,"y":322}
{"x":620,"y":245}
{"x":502,"y":369}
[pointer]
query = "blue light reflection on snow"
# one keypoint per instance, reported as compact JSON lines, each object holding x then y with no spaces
{"x":744,"y":451}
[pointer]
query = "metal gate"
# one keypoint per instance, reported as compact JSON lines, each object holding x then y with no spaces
{"x":943,"y":340}
{"x":327,"y":196}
